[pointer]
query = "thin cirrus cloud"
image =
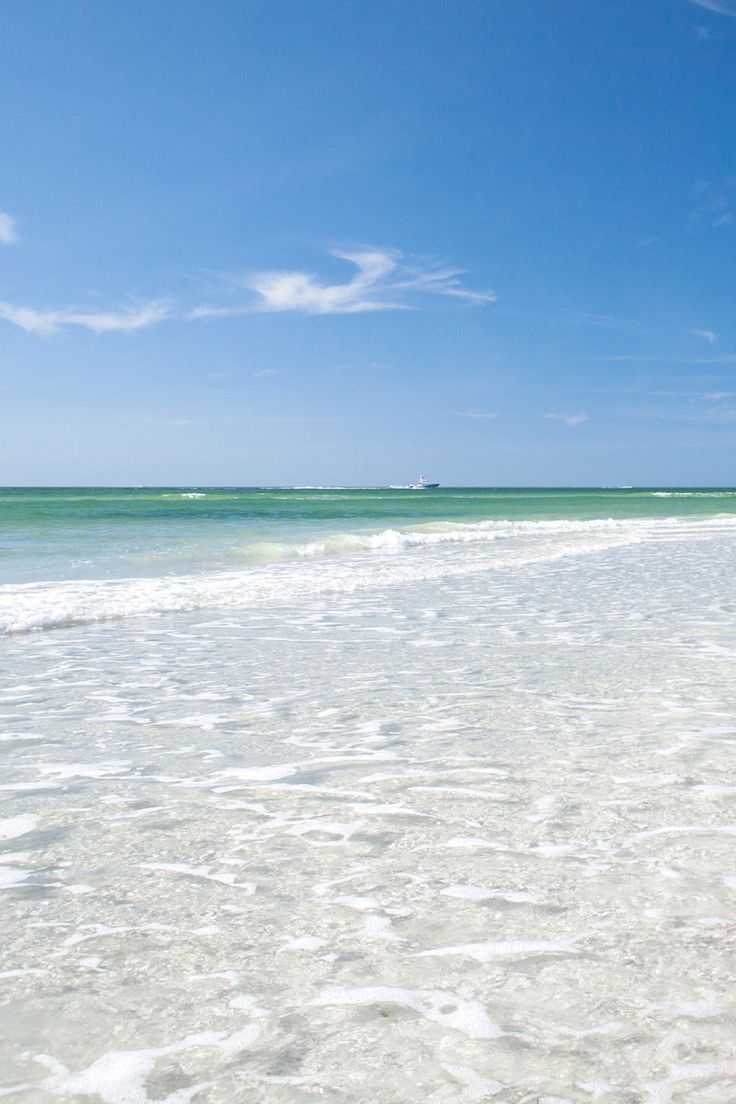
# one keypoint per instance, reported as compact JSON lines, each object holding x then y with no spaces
{"x":385,"y":280}
{"x":171,"y":423}
{"x":479,"y":415}
{"x":707,"y":335}
{"x":716,"y":202}
{"x":46,"y":322}
{"x":715,"y":6}
{"x":568,"y":419}
{"x":8,"y":233}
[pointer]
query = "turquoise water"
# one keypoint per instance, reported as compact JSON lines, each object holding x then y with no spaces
{"x":80,"y":533}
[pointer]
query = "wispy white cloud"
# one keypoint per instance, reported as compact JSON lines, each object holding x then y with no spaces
{"x":172,"y":423}
{"x":716,"y":201}
{"x":667,"y":358}
{"x":715,"y":6}
{"x":8,"y":233}
{"x":385,"y":280}
{"x":715,"y":396}
{"x":481,"y":415}
{"x":604,"y":321}
{"x":583,"y":318}
{"x":568,"y":419}
{"x":707,"y":335}
{"x":45,"y":322}
{"x":208,"y":310}
{"x":723,"y":415}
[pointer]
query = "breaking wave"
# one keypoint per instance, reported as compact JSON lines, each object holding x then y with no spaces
{"x":342,"y":562}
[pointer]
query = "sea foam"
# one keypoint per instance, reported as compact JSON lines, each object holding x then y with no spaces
{"x":343,"y":563}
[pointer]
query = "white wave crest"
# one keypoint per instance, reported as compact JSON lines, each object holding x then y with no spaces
{"x":341,"y":563}
{"x":693,"y":494}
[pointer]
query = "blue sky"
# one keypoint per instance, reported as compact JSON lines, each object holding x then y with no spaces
{"x":346,"y":241}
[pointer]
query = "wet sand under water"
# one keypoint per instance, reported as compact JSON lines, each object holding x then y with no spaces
{"x":459,"y":840}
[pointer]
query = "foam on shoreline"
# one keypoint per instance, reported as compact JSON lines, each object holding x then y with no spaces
{"x":343,"y":563}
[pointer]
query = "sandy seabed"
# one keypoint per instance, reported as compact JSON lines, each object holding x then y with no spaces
{"x":466,"y":839}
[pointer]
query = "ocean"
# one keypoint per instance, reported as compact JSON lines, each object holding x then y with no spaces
{"x":368,"y":795}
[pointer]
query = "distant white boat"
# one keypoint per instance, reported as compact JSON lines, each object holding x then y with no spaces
{"x":422,"y":484}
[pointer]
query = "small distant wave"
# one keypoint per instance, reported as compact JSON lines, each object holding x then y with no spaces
{"x":343,"y":563}
{"x":469,"y":533}
{"x":185,"y":494}
{"x":693,"y":494}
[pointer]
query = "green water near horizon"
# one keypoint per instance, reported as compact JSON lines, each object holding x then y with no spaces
{"x":77,"y":532}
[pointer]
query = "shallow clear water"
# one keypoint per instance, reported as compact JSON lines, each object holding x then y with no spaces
{"x":449,"y":822}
